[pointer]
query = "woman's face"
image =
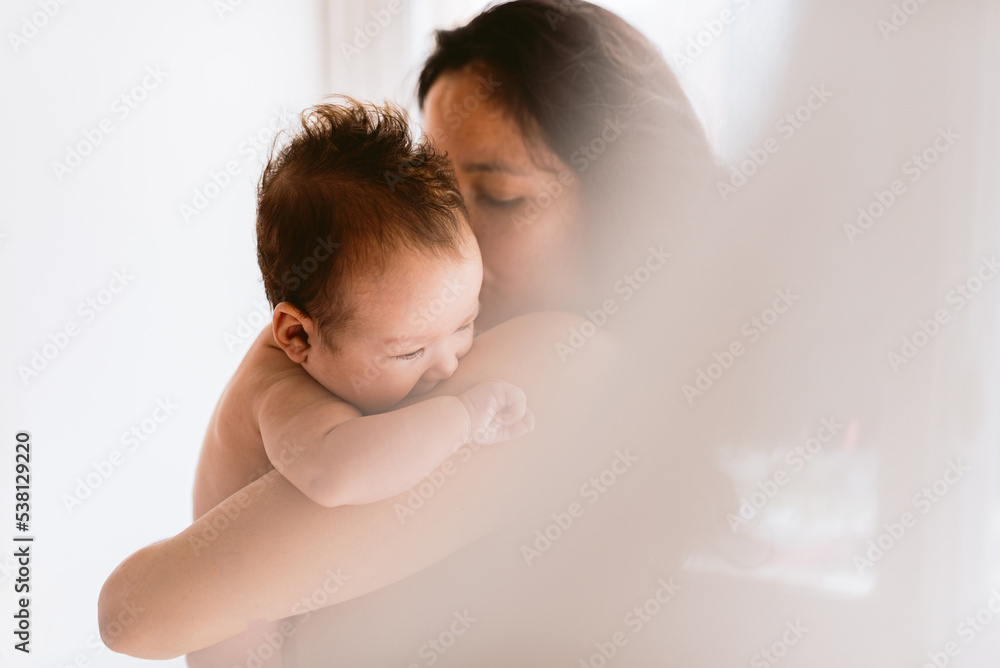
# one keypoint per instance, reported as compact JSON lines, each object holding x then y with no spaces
{"x":523,"y":201}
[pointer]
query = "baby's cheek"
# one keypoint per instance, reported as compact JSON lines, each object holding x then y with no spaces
{"x":410,"y":383}
{"x":468,"y":344}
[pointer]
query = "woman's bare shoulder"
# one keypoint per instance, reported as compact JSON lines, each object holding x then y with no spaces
{"x":534,"y":351}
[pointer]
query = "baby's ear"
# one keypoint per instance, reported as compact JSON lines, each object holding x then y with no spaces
{"x":291,"y":329}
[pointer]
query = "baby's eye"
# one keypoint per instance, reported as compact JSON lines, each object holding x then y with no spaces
{"x":464,"y":327}
{"x":411,"y":356}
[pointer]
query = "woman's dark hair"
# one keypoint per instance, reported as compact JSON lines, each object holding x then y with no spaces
{"x":569,"y":68}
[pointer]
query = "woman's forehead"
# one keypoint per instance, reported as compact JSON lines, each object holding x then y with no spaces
{"x":479,"y":135}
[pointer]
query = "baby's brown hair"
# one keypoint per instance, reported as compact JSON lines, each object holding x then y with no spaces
{"x":346,"y":194}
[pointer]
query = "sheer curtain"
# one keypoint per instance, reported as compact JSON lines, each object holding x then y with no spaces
{"x":876,"y":196}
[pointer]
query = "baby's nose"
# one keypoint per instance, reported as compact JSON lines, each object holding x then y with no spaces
{"x":443,"y":368}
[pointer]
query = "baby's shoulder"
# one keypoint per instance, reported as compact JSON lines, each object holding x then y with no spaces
{"x":263,"y":365}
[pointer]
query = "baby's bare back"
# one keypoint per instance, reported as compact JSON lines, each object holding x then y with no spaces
{"x":233,"y":455}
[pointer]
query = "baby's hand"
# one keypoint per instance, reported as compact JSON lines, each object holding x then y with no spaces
{"x":498,"y":412}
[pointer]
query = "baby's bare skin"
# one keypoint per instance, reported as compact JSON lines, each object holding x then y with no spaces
{"x":317,"y":407}
{"x":311,"y":410}
{"x":318,"y":411}
{"x":233,"y":454}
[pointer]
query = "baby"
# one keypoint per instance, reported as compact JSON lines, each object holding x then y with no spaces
{"x":374,"y":276}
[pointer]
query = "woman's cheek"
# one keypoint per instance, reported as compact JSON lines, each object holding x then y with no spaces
{"x":526,"y":248}
{"x":518,"y":256}
{"x":546,"y":239}
{"x":501,"y":243}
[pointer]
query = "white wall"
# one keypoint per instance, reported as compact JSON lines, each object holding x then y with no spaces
{"x":226,"y":77}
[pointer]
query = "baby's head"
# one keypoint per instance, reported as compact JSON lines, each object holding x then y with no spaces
{"x":367,"y":256}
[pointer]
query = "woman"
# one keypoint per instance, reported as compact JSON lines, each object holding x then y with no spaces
{"x":584,"y":123}
{"x":558,"y":117}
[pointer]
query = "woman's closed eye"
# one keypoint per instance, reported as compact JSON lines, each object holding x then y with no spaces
{"x":499,"y":203}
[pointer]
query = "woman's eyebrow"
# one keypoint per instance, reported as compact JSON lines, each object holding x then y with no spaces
{"x":503,"y":168}
{"x":492,"y":167}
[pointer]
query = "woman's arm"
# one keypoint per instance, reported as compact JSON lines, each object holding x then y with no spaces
{"x":268,"y":552}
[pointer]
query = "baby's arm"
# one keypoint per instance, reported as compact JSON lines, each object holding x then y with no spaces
{"x":336,"y":456}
